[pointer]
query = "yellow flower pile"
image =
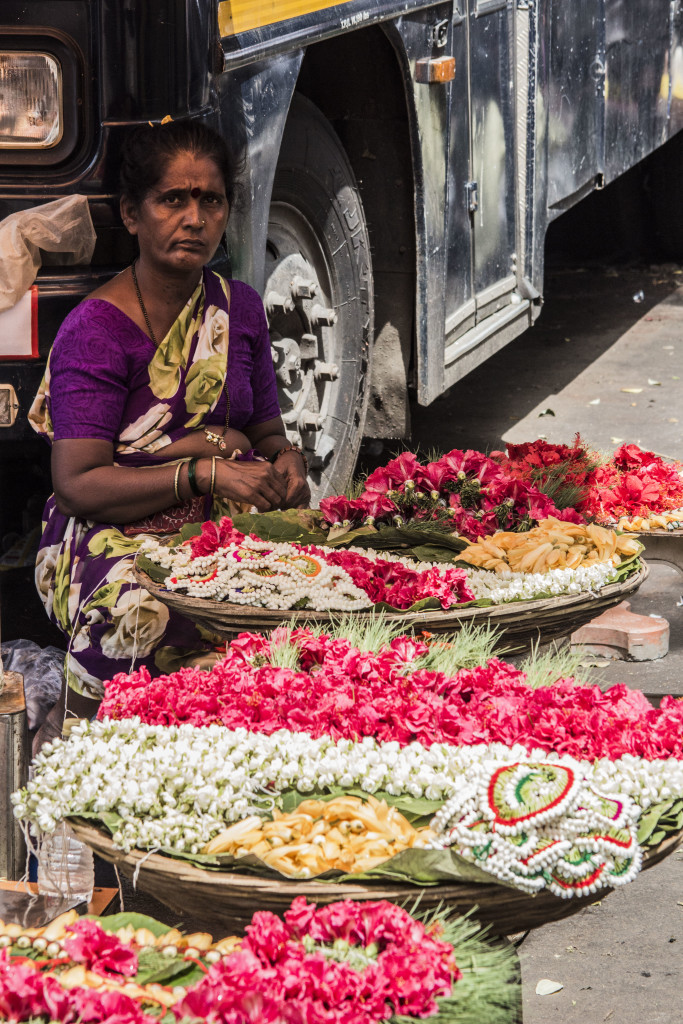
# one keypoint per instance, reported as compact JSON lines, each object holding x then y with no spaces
{"x":345,"y":833}
{"x":643,"y":524}
{"x":552,"y":544}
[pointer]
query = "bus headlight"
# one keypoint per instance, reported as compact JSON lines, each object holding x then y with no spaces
{"x":30,"y":100}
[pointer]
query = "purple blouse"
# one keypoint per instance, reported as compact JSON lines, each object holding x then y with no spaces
{"x":100,"y":384}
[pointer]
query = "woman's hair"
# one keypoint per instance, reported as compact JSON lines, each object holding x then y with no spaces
{"x":148,"y":149}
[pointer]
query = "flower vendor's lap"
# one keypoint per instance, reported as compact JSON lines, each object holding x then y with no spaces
{"x":84,"y":578}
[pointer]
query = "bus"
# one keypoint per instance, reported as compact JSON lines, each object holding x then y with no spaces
{"x":402,"y":160}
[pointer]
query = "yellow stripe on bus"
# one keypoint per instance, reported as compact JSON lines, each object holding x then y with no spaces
{"x":242,"y":15}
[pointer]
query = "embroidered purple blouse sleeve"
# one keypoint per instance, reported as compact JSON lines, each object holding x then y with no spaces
{"x":90,"y":372}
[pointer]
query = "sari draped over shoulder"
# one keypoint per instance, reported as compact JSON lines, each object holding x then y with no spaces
{"x":106,"y":380}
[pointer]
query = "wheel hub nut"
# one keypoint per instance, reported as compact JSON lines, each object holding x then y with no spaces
{"x":276,"y":303}
{"x":303,"y":288}
{"x":310,"y":420}
{"x":325,"y":371}
{"x":324,"y":317}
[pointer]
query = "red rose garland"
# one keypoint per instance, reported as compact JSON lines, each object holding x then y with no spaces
{"x":351,"y":963}
{"x":632,"y":482}
{"x":468,"y":490}
{"x":343,"y":692}
{"x":346,"y":963}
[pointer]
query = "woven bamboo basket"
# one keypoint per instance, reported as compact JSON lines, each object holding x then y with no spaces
{"x":226,"y":900}
{"x":520,"y":623}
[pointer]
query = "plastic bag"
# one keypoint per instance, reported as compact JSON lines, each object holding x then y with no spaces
{"x":43,"y":672}
{"x":64,"y":226}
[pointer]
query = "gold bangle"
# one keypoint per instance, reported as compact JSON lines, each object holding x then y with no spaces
{"x":176,"y":481}
{"x":213,"y":474}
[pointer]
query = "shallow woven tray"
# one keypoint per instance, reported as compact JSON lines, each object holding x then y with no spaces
{"x":642,"y":535}
{"x":521,"y":622}
{"x":226,"y":900}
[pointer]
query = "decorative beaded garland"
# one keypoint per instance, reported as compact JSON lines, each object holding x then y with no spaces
{"x":538,"y":824}
{"x":261,"y":574}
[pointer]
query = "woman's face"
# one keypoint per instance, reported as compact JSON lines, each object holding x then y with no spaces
{"x":181,"y":221}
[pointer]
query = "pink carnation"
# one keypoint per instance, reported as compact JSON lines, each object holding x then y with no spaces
{"x":101,"y":952}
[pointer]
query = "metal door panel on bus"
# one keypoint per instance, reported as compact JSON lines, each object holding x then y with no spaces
{"x":459,"y":288}
{"x":675,"y":82}
{"x":576,"y":97}
{"x":637,"y":85}
{"x":492,"y":141}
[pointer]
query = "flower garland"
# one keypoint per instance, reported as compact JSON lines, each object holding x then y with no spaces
{"x":226,"y":565}
{"x":467,"y":490}
{"x":356,"y":963}
{"x":26,"y":995}
{"x":338,"y":691}
{"x":266,"y":575}
{"x":632,"y":482}
{"x":538,"y":824}
{"x":350,"y":963}
{"x":175,"y":788}
{"x":527,"y":586}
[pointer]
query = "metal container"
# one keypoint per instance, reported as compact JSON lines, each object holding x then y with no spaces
{"x":14,"y":761}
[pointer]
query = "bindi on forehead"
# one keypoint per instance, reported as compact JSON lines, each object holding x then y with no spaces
{"x":195,"y":192}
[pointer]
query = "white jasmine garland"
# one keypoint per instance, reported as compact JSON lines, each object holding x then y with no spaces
{"x":525,"y":586}
{"x":242,"y":581}
{"x":177,"y":786}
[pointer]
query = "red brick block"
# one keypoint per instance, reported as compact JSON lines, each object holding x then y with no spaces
{"x":620,"y":633}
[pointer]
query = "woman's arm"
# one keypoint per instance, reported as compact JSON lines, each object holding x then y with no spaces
{"x":270,"y":438}
{"x":196,"y":444}
{"x":87,"y":483}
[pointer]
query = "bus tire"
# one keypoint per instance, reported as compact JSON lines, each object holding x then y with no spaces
{"x":319,"y":297}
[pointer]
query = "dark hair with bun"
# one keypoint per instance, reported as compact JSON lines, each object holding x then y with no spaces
{"x":147,"y":150}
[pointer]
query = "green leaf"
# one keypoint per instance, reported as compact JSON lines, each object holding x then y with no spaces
{"x":417,"y":606}
{"x":155,"y":968}
{"x":347,"y":536}
{"x":113,"y":922}
{"x":425,"y":867}
{"x":649,"y":821}
{"x":405,"y":539}
{"x":187,"y":531}
{"x":300,"y":525}
{"x":432,"y":553}
{"x":659,"y":821}
{"x":629,"y":566}
{"x":154,"y":571}
{"x":110,"y":819}
{"x":417,"y":810}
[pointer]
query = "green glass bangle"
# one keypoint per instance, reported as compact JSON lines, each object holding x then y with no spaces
{"x":192,"y":478}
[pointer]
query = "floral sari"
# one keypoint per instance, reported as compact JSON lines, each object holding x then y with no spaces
{"x":106,"y":380}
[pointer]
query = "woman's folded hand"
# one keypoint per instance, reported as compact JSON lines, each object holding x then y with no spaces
{"x":291,"y":466}
{"x":258,"y":483}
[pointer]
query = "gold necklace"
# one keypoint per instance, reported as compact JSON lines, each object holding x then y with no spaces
{"x":142,"y":305}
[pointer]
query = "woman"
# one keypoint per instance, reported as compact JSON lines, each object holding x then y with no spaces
{"x":154,"y":384}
